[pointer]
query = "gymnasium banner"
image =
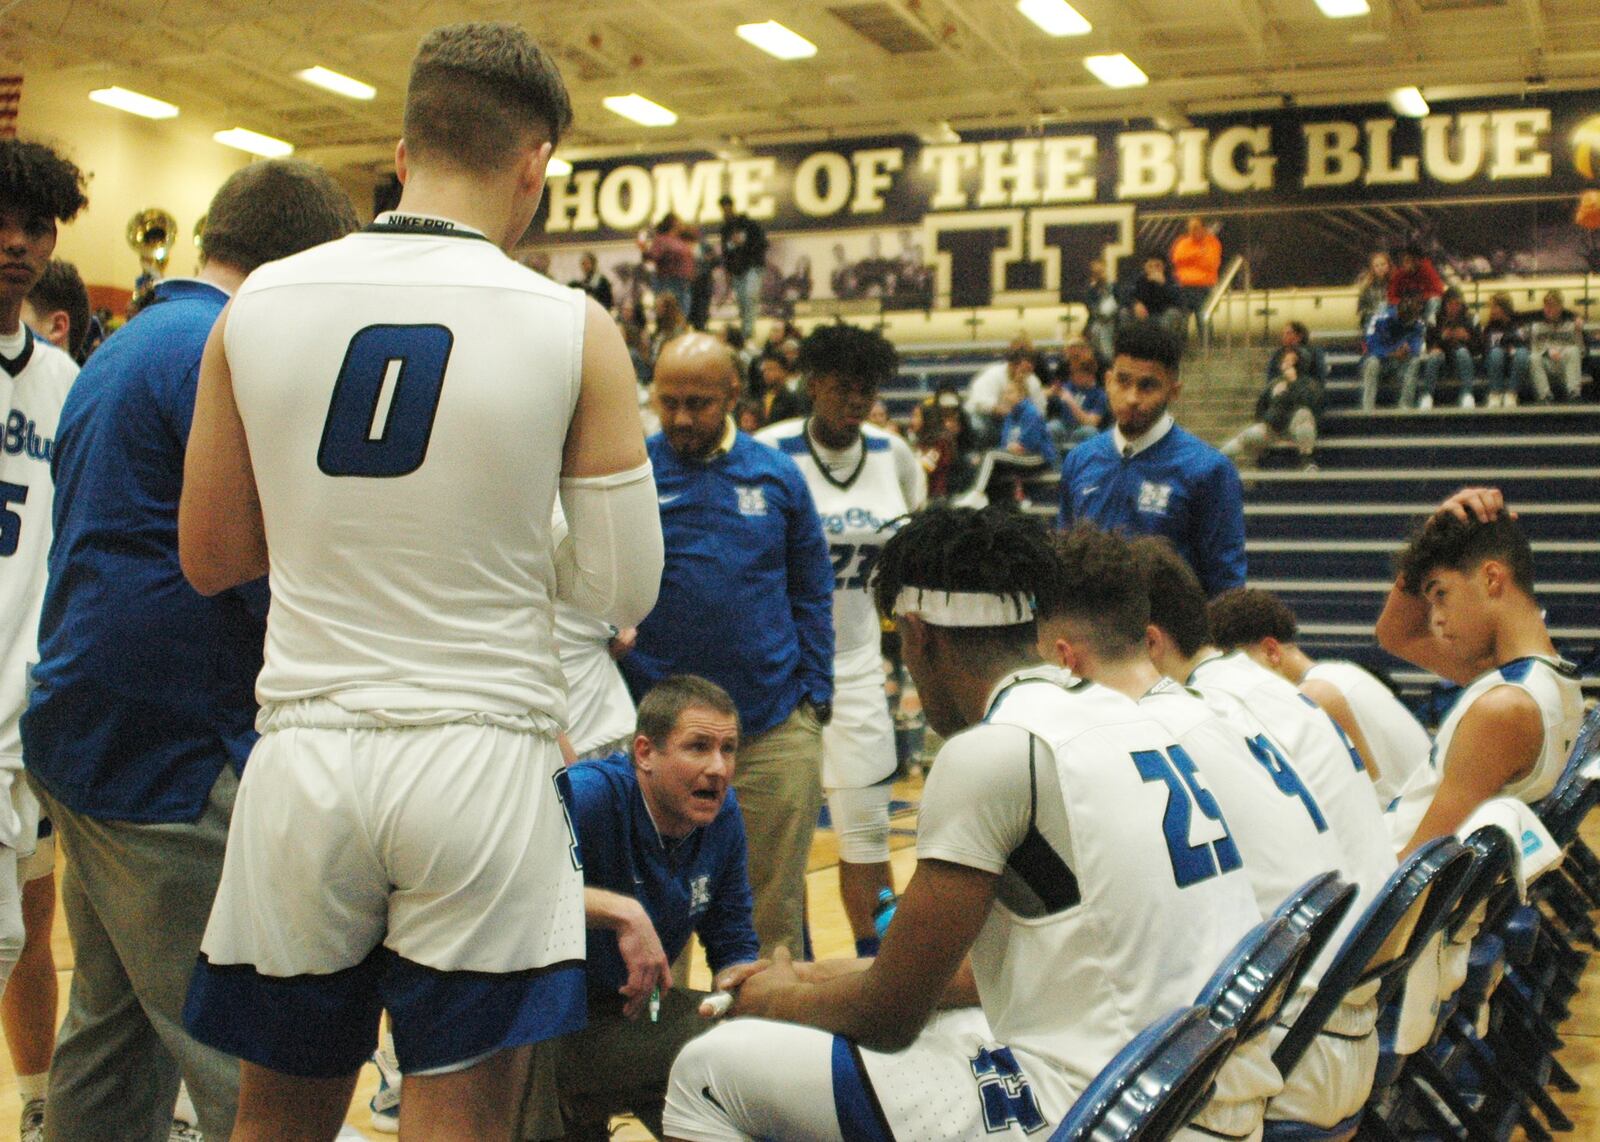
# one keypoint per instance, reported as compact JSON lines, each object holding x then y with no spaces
{"x":1487,"y":187}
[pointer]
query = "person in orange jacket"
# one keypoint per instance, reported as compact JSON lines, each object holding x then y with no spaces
{"x":1196,"y":257}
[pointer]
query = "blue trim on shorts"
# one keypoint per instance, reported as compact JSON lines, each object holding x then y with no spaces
{"x":323,"y":1026}
{"x":861,"y":1118}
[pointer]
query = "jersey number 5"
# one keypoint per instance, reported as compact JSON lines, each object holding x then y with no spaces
{"x":10,"y":521}
{"x":1191,"y":863}
{"x":384,"y":401}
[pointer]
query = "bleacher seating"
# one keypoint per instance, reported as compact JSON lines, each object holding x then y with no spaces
{"x":1325,"y":540}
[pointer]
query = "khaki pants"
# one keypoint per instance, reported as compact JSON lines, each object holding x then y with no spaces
{"x":779,"y":782}
{"x":614,"y":1065}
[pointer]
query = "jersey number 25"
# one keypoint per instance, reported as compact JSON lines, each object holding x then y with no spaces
{"x":1210,"y":855}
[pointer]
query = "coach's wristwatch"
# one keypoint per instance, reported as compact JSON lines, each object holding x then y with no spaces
{"x":822,"y":711}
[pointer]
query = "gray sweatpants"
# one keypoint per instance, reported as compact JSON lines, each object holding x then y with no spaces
{"x":137,"y":898}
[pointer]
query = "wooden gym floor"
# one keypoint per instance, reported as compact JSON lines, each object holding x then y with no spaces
{"x":831,"y":937}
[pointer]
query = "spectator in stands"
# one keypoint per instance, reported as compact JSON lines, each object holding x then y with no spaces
{"x":1196,"y":257}
{"x":1157,"y":299}
{"x":670,"y":322}
{"x":1392,"y":743}
{"x":1463,"y":607}
{"x":744,"y":256}
{"x":879,"y":416}
{"x":663,"y":848}
{"x":1148,"y":476}
{"x":1025,"y":446}
{"x":747,"y":602}
{"x":934,"y":445}
{"x":1556,"y":344}
{"x":1393,"y":352}
{"x":1372,"y":289}
{"x":671,"y":251}
{"x":777,"y":400}
{"x":1290,"y":403}
{"x":1077,"y":401}
{"x":1100,"y":300}
{"x":57,"y":309}
{"x":1454,"y":339}
{"x":591,"y":281}
{"x":1416,"y":274}
{"x":983,"y":393}
{"x":1505,"y":353}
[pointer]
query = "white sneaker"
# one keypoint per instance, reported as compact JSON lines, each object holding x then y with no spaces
{"x":183,"y":1132}
{"x":1467,"y":400}
{"x":1511,"y":400}
{"x":31,"y":1128}
{"x":1425,"y":402}
{"x":385,"y":1102}
{"x":1495,"y":400}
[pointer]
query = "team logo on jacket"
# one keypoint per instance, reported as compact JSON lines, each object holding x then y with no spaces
{"x":752,"y":501}
{"x":1153,"y":497}
{"x":699,"y":894}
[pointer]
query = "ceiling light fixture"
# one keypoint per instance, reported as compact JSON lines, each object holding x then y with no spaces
{"x":1340,"y":9}
{"x":133,"y":103}
{"x":776,"y":40}
{"x":1408,"y":101}
{"x":645,"y":112}
{"x":1055,"y":17}
{"x":330,"y":80}
{"x":557,"y":166}
{"x":256,"y":143}
{"x":1116,"y":70}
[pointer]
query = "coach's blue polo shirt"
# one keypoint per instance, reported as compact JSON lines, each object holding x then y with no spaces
{"x":746,"y":594}
{"x":145,"y":688}
{"x":1172,"y":484}
{"x":695,"y":884}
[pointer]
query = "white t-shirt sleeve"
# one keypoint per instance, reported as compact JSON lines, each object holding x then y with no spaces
{"x":913,"y":480}
{"x":979,"y":799}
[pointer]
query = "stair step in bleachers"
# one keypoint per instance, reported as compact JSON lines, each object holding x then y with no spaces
{"x":1393,"y":522}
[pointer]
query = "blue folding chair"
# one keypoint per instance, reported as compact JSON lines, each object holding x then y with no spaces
{"x":1398,"y":922}
{"x":1316,"y":908}
{"x":1154,"y":1085}
{"x":1248,"y":990}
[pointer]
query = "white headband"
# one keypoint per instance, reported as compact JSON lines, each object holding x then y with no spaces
{"x":964,"y":608}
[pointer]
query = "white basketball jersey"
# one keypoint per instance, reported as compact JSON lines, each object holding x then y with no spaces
{"x":35,"y":376}
{"x":1121,"y":887}
{"x":1399,"y":744}
{"x":856,"y":501}
{"x":406,"y":392}
{"x":1269,"y":709}
{"x":1282,"y":832}
{"x":1553,"y":685}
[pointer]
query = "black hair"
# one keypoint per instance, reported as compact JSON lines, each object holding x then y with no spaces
{"x":39,"y":182}
{"x":1301,"y":331}
{"x":1150,"y":341}
{"x":1460,"y":545}
{"x":992,"y":550}
{"x":61,"y":287}
{"x":1246,"y":615}
{"x":854,"y":355}
{"x":1103,"y":587}
{"x":1177,"y":600}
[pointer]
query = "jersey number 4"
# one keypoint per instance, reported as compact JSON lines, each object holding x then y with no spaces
{"x":384,"y":401}
{"x":1192,"y":860}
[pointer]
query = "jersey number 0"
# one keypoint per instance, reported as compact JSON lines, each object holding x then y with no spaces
{"x":384,"y":400}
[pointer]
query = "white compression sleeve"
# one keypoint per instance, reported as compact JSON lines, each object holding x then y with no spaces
{"x":610,"y":562}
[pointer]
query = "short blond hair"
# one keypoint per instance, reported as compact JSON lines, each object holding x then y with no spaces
{"x":479,"y":92}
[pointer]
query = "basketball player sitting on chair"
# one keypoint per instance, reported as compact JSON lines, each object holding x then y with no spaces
{"x":1041,"y":853}
{"x":862,"y":479}
{"x":1463,"y":607}
{"x":381,"y":422}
